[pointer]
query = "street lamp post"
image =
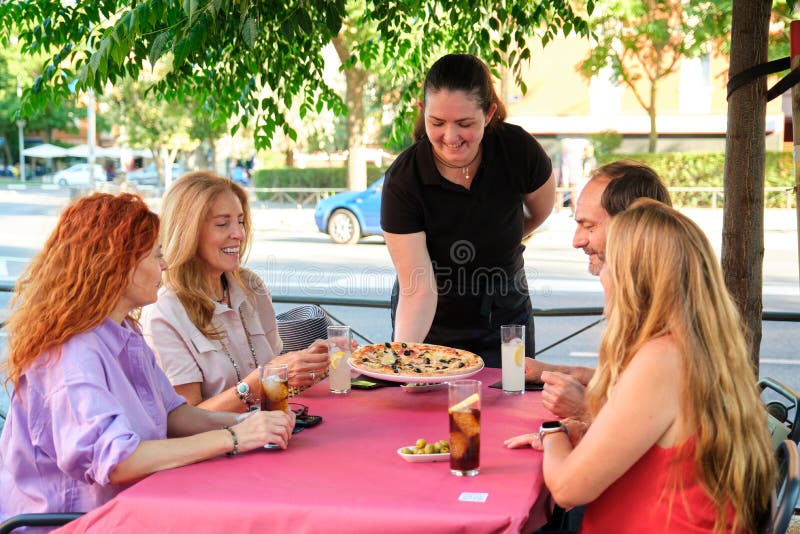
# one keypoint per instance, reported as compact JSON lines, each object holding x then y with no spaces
{"x":21,"y":127}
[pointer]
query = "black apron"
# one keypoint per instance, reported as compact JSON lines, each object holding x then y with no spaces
{"x":472,"y":321}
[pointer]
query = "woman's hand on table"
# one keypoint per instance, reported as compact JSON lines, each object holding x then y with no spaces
{"x":575,"y":432}
{"x":256,"y":429}
{"x":523,"y":440}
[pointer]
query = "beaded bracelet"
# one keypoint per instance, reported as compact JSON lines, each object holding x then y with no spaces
{"x":235,"y":450}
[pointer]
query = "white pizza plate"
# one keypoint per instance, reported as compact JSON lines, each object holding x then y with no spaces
{"x":416,"y":379}
{"x":439,"y":457}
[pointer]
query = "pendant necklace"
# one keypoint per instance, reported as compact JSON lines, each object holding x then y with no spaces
{"x":227,"y":351}
{"x":225,"y":298}
{"x":464,"y":169}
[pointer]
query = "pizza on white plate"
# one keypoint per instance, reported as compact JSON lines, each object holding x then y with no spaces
{"x":414,"y":359}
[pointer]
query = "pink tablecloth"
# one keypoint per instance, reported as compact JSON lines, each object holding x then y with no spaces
{"x":346,"y":476}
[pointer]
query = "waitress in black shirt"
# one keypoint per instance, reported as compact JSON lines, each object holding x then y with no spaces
{"x":453,"y":218}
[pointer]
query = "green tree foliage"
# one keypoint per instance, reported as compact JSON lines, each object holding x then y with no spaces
{"x":163,"y":128}
{"x":254,"y":59}
{"x":16,"y":68}
{"x":643,"y":41}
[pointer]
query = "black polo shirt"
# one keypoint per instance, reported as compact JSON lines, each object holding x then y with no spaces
{"x":470,"y":233}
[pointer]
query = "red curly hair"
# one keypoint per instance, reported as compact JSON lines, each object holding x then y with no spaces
{"x":75,"y":282}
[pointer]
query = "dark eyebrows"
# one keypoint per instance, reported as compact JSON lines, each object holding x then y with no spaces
{"x":462,"y":119}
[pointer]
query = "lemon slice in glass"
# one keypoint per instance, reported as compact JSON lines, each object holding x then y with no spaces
{"x":519,"y":355}
{"x":464,"y":404}
{"x":336,"y":358}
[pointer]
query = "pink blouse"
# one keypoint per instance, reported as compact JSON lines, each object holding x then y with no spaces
{"x":187,"y":356}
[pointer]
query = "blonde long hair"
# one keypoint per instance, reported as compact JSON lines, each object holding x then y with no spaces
{"x":183,"y":211}
{"x":665,"y":279}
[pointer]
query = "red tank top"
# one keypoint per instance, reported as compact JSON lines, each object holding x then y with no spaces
{"x":634,"y":503}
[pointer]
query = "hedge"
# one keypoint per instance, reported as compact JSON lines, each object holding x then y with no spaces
{"x":681,"y":169}
{"x":319,"y":178}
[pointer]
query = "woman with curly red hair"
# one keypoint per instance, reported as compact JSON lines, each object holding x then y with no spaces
{"x":91,"y":410}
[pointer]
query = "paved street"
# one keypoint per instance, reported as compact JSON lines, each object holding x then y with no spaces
{"x":295,"y":259}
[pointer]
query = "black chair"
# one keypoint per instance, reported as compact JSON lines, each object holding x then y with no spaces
{"x":37,"y":520}
{"x":783,"y":415}
{"x":787,"y":489}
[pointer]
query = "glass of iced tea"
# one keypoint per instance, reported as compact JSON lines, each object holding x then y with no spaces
{"x":339,"y":349}
{"x":465,"y":427}
{"x":275,"y":385}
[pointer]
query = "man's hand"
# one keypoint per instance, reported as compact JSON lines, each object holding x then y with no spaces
{"x":563,"y":395}
{"x":534,"y":369}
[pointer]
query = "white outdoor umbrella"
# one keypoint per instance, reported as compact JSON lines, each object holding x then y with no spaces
{"x":46,"y":151}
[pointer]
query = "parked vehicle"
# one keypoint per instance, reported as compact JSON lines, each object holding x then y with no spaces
{"x":347,"y":217}
{"x":79,"y":175}
{"x":240,"y":175}
{"x":148,"y":175}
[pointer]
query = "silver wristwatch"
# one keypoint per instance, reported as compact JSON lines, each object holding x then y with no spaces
{"x":551,"y":427}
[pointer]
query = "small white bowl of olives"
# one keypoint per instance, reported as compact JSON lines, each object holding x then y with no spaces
{"x":423,"y":451}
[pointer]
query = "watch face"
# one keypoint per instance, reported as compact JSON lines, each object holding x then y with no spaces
{"x":548,"y":425}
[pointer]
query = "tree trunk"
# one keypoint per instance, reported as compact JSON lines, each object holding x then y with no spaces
{"x":212,"y":144}
{"x":158,"y":159}
{"x":743,"y":213}
{"x":355,"y":78}
{"x":651,"y":111}
{"x":7,"y":151}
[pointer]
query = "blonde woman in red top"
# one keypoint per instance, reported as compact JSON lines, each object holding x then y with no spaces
{"x":678,"y":440}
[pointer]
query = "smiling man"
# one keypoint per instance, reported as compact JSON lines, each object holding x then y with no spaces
{"x":610,"y":190}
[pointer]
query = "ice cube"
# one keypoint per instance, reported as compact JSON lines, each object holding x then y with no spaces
{"x":467,"y":422}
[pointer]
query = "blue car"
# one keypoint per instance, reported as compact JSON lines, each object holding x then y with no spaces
{"x":347,"y":217}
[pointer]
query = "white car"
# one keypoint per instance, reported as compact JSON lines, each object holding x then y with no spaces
{"x":79,"y":175}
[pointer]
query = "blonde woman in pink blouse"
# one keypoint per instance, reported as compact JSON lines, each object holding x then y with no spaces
{"x":214,"y":322}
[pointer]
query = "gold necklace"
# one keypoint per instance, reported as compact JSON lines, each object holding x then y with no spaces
{"x":464,"y":170}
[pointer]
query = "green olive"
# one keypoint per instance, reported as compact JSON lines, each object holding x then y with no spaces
{"x":429,"y":448}
{"x":421,"y":443}
{"x":406,"y":450}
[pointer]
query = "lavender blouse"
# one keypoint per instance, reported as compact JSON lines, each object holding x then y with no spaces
{"x":73,"y":420}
